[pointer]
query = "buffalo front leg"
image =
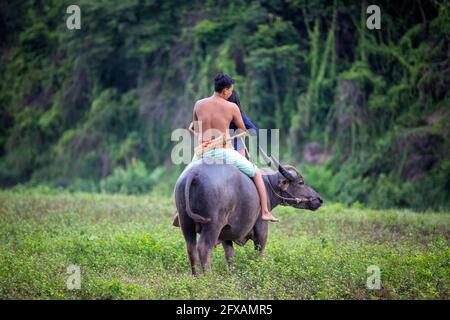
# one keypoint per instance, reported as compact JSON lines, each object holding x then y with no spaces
{"x":229,"y":252}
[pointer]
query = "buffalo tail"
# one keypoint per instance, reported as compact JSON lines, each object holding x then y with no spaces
{"x":196,"y":217}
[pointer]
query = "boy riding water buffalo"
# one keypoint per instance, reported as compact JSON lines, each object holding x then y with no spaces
{"x":214,"y":195}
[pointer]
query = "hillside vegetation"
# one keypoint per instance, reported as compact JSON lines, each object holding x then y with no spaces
{"x":93,"y":109}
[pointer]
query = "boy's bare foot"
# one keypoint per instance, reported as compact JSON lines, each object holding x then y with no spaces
{"x":267,"y":216}
{"x":176,"y":222}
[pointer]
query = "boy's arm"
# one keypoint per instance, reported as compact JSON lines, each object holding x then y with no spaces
{"x":249,"y":124}
{"x":191,"y":128}
{"x":237,"y":118}
{"x":195,"y":124}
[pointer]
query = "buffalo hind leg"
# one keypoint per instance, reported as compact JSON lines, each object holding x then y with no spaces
{"x":190,"y":236}
{"x":229,"y":252}
{"x":260,"y":233}
{"x":206,"y":244}
{"x":193,"y":255}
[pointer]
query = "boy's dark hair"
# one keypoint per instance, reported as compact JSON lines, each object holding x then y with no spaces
{"x":235,"y":99}
{"x":222,"y":81}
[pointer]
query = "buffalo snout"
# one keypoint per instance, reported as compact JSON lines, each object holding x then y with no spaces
{"x":316,"y":203}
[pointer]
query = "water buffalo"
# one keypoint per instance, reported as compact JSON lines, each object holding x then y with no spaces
{"x":219,"y":202}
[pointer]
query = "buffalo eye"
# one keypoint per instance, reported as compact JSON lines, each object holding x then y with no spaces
{"x":284,"y":184}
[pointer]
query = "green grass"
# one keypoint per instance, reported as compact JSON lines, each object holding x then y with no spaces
{"x":127,"y":249}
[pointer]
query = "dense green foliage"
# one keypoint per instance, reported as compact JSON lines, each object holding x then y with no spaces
{"x":78,"y":105}
{"x":126,"y":247}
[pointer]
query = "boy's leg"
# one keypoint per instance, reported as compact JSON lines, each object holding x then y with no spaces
{"x":249,"y":169}
{"x":258,"y":180}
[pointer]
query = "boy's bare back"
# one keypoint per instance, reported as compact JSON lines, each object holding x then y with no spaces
{"x":215,"y":115}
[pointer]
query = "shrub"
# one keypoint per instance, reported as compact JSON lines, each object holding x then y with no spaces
{"x":133,"y":179}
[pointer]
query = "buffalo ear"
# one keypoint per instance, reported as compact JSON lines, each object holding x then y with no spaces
{"x":283,"y":184}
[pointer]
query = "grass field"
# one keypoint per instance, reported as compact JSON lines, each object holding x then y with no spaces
{"x":126,"y":248}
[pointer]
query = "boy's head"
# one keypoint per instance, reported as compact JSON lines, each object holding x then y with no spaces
{"x":223,"y":84}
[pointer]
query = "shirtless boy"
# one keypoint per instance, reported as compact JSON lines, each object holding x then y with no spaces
{"x":212,"y":117}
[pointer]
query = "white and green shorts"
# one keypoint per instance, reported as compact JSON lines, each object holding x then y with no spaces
{"x":230,"y":156}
